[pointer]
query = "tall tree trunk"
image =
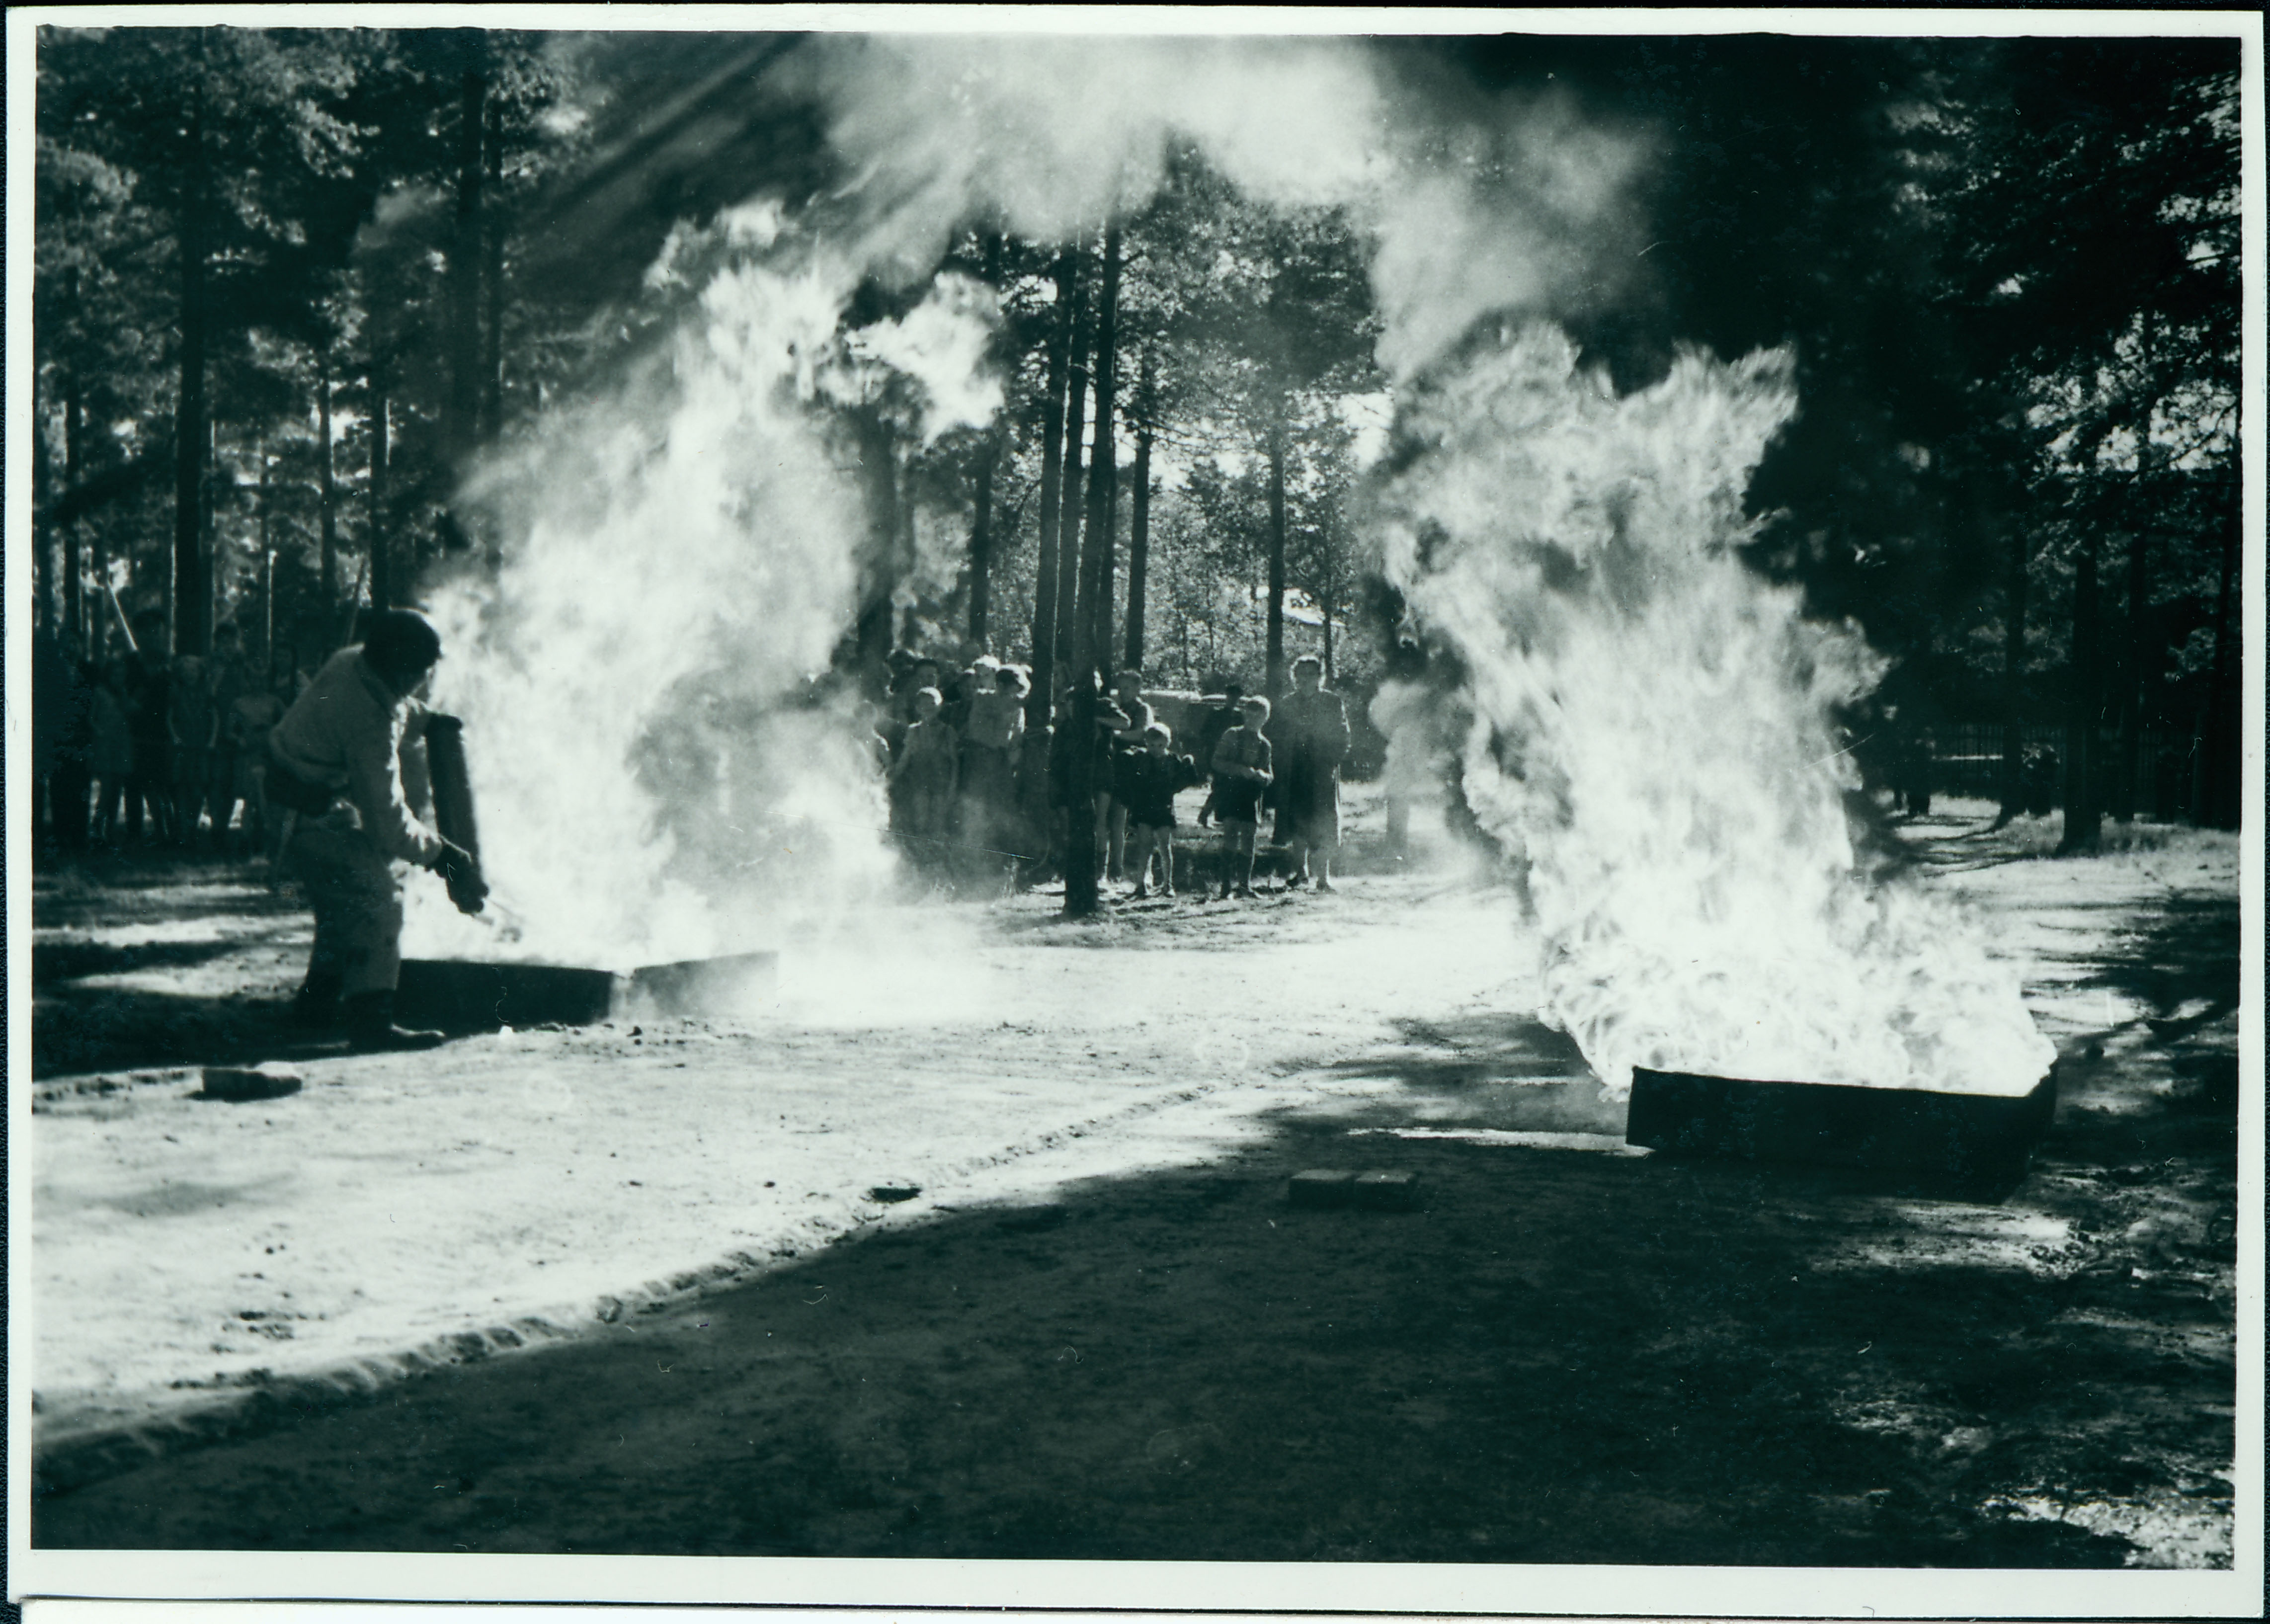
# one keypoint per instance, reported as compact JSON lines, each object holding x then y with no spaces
{"x":981,"y":518}
{"x":192,"y":597}
{"x":1108,"y":569}
{"x":1068,"y":550}
{"x":74,"y":605}
{"x":2219,"y":794}
{"x":1080,"y":854}
{"x":491,"y":416}
{"x":460,"y":409}
{"x":267,"y":572}
{"x":327,"y":506}
{"x":43,"y":527}
{"x":906,"y":543}
{"x":1139,"y":544}
{"x":981,"y":544}
{"x":1274,"y":681}
{"x":385,"y":592}
{"x":1052,"y":415}
{"x":209,"y":548}
{"x":2014,"y":676}
{"x":2083,"y":812}
{"x":879,"y":577}
{"x":2128,"y":759}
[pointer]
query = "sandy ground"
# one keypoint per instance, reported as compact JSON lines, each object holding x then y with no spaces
{"x":636,"y":1291}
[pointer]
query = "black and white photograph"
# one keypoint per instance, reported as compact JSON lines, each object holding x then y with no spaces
{"x":1321,"y":811}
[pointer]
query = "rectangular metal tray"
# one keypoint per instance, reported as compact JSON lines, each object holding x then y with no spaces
{"x":1927,"y":1131}
{"x":470,"y":994}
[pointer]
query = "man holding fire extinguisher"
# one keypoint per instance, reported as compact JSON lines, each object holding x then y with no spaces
{"x":336,"y":759}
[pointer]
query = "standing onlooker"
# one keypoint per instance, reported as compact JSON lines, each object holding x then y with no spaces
{"x":245,"y":729}
{"x":962,"y":686}
{"x":1219,"y":720}
{"x":226,"y":680}
{"x":924,"y":768}
{"x":991,"y":744}
{"x":114,"y":753}
{"x":1241,"y":772}
{"x":1312,"y":728}
{"x":1148,"y":787}
{"x":63,"y":729}
{"x":149,"y":699}
{"x":1122,"y":728}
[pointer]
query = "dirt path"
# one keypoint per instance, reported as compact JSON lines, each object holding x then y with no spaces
{"x":1102,"y":1332}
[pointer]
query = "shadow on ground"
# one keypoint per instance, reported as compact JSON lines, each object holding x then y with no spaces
{"x":110,"y":991}
{"x":1565,"y":1357}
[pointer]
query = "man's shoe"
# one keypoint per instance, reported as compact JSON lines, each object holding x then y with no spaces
{"x":371,"y":1028}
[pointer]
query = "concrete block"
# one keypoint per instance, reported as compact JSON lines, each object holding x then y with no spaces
{"x":1387,"y":1192}
{"x":268,"y":1080}
{"x":1375,"y":1192}
{"x":1322,"y":1187}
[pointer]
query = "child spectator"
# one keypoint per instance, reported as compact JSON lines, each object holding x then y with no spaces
{"x":1148,"y":785}
{"x":149,"y":703}
{"x":225,"y":683}
{"x":1124,"y":725}
{"x":1240,"y":772}
{"x":1219,"y":720}
{"x":989,"y":747}
{"x":924,"y":768}
{"x":245,"y":728}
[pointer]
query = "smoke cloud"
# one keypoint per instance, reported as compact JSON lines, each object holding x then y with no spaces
{"x":1517,"y":204}
{"x":662,"y":768}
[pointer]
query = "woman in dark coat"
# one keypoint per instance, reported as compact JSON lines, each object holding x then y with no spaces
{"x":1311,"y":737}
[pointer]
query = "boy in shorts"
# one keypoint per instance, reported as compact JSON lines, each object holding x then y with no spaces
{"x":1147,"y":785}
{"x":1241,"y":772}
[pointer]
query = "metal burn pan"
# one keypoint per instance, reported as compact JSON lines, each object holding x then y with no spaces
{"x":471,"y":995}
{"x":468,"y":994}
{"x":1964,"y":1136}
{"x":722,"y":986}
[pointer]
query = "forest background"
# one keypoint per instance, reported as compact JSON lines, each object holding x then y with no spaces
{"x":293,"y":286}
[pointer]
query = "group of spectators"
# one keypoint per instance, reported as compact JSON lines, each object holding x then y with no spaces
{"x":155,"y":750}
{"x":975,"y":788}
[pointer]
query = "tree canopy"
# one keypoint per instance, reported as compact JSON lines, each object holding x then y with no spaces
{"x":291,"y":282}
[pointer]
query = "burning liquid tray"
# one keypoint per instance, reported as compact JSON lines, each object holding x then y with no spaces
{"x":1966,"y":1135}
{"x":469,"y":995}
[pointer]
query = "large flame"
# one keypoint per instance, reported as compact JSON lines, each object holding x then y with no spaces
{"x":658,"y":772}
{"x":1654,"y":735}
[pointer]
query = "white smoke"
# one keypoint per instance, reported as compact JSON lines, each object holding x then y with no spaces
{"x":1654,"y":735}
{"x":1518,"y":204}
{"x":658,"y":773}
